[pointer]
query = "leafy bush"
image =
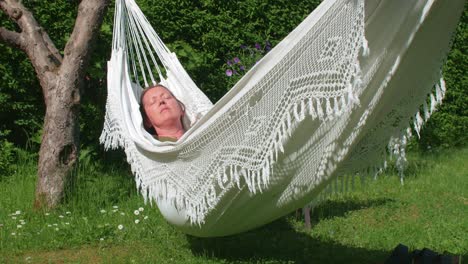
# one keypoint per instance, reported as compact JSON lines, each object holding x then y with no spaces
{"x":205,"y":35}
{"x":447,"y":127}
{"x":7,"y":157}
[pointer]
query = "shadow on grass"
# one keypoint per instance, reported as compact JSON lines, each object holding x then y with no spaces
{"x":280,"y":242}
{"x":339,"y":208}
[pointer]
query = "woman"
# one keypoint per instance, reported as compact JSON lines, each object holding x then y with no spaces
{"x":162,"y":113}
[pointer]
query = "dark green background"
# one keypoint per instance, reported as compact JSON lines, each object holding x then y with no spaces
{"x":204,"y":34}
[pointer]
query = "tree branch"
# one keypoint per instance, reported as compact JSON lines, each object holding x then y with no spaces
{"x":35,"y":42}
{"x":11,"y":38}
{"x":88,"y":22}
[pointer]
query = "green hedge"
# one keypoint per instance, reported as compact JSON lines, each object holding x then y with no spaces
{"x":204,"y":34}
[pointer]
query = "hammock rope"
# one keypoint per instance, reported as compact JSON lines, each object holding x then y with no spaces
{"x":324,"y":103}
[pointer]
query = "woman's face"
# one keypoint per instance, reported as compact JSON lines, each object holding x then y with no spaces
{"x":161,"y":107}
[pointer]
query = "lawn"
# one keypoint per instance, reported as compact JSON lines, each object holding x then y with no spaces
{"x":106,"y":221}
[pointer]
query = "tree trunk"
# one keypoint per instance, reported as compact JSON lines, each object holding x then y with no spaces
{"x":60,"y":79}
{"x":60,"y":144}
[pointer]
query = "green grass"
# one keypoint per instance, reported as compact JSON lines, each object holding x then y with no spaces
{"x":360,"y":226}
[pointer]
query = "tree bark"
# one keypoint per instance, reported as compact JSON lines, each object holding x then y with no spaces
{"x":60,"y":79}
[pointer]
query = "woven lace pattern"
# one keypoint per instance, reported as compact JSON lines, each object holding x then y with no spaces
{"x":319,"y":105}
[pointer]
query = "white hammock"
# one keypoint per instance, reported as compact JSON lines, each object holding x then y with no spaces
{"x":317,"y":106}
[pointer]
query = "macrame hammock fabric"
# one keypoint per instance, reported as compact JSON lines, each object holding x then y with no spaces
{"x":319,"y":107}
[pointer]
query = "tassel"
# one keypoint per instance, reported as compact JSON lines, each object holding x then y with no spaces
{"x":408,"y":132}
{"x":280,"y":146}
{"x":311,"y":109}
{"x":343,"y":103}
{"x":351,"y":99}
{"x":365,"y":47}
{"x":442,"y":86}
{"x":303,"y":110}
{"x":259,"y":181}
{"x":296,"y":113}
{"x":328,"y":108}
{"x":438,"y":94}
{"x":231,"y":172}
{"x":418,"y":121}
{"x":236,"y":177}
{"x":336,"y":109}
{"x":426,"y":112}
{"x":433,"y":104}
{"x":319,"y":109}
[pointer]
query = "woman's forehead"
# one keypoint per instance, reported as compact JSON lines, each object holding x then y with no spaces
{"x":157,"y":90}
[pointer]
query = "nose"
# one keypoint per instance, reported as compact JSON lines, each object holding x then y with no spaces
{"x":160,"y":101}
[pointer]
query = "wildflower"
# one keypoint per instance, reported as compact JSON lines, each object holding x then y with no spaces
{"x":115,"y":207}
{"x":67,"y":212}
{"x":120,"y":227}
{"x":243,"y":46}
{"x":146,"y":217}
{"x":122,"y":213}
{"x":257,"y":46}
{"x":229,"y":72}
{"x":137,"y":221}
{"x":103,"y":211}
{"x":114,"y":211}
{"x":18,"y":212}
{"x":19,"y":226}
{"x":13,"y":217}
{"x":56,"y":229}
{"x":242,"y":68}
{"x":67,"y":223}
{"x":141,"y":209}
{"x":229,"y":63}
{"x":54,"y":224}
{"x":13,"y":234}
{"x":61,"y":216}
{"x":102,"y":239}
{"x":47,"y":214}
{"x":236,"y":60}
{"x":49,"y":225}
{"x":136,"y":212}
